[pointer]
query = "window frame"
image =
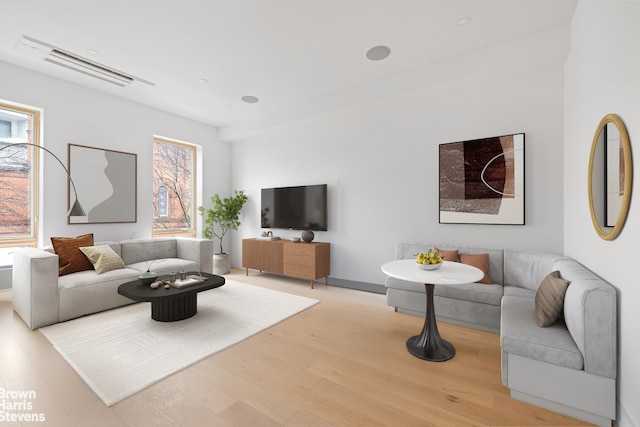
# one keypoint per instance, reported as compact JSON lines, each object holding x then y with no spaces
{"x":35,"y":138}
{"x":190,"y":232}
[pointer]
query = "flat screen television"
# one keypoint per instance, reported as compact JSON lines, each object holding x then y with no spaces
{"x":297,"y":208}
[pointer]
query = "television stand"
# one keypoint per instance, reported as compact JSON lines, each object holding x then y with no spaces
{"x":309,"y":261}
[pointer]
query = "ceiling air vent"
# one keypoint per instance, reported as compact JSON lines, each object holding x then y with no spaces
{"x":63,"y":58}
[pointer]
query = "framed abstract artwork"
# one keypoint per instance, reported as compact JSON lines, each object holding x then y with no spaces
{"x":482,"y":181}
{"x":106,"y":182}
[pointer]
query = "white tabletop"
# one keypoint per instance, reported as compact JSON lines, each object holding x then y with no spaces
{"x":450,"y":273}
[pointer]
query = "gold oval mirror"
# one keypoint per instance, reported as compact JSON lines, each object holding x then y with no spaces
{"x":610,"y":177}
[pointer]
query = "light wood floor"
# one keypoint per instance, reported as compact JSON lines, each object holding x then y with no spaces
{"x":342,"y":362}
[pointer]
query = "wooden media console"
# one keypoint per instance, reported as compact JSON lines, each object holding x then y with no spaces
{"x":309,"y":261}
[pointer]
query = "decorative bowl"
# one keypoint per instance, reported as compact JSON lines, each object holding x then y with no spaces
{"x":429,"y":266}
{"x":148,"y":277}
{"x":295,"y":239}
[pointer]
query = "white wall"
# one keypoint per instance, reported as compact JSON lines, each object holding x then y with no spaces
{"x":602,"y":75}
{"x":380,"y":159}
{"x":73,"y":114}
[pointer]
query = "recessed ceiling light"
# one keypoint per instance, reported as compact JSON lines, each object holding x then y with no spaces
{"x":378,"y":53}
{"x":204,"y":81}
{"x":92,"y":52}
{"x":250,"y":99}
{"x":463,"y":21}
{"x":228,"y":106}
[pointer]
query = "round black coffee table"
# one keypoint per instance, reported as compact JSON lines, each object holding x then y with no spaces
{"x":172,"y":304}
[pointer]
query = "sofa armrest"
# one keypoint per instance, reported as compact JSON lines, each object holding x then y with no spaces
{"x":590,"y":313}
{"x":198,"y":250}
{"x":35,"y":286}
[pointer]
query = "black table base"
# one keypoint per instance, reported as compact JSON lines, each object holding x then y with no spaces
{"x":428,"y":345}
{"x":174,"y":309}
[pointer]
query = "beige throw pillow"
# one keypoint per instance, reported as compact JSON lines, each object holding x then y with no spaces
{"x":550,"y":299}
{"x":103,"y":258}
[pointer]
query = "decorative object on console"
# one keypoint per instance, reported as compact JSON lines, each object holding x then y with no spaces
{"x":610,"y":177}
{"x":76,"y":208}
{"x":295,"y":239}
{"x":307,"y":236}
{"x":225,"y":213}
{"x":108,"y":179}
{"x":482,"y":181}
{"x":148,"y":277}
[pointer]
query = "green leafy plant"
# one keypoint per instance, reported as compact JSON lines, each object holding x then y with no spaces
{"x":224,"y":212}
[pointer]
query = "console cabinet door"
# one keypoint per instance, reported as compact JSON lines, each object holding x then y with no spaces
{"x":262,"y":255}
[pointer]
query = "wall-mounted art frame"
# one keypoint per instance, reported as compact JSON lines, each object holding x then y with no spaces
{"x":106,"y":182}
{"x":482,"y":181}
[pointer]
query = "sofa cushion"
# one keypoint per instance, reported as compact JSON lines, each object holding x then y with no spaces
{"x":71,"y":259}
{"x":87,"y":292}
{"x":549,"y":299}
{"x":526,"y":269}
{"x":515,"y":291}
{"x":165,"y":266}
{"x":490,"y":294}
{"x":103,"y":258}
{"x":520,"y":334}
{"x":138,"y":250}
{"x":590,"y":307}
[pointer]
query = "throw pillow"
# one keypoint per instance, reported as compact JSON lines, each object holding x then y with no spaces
{"x":480,"y":261}
{"x":550,"y":299}
{"x":449,"y":255}
{"x":103,"y":258}
{"x":68,"y":251}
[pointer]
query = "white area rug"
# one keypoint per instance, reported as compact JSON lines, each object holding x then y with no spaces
{"x":122,"y":351}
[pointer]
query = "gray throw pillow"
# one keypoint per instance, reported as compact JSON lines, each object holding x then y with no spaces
{"x":550,"y":299}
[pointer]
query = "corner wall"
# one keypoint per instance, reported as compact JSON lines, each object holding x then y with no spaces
{"x":602,"y":75}
{"x":380,"y":160}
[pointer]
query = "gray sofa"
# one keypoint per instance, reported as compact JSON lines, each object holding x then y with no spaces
{"x":41,"y":297}
{"x":569,"y":367}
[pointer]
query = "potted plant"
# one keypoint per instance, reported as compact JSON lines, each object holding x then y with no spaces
{"x":224,"y":212}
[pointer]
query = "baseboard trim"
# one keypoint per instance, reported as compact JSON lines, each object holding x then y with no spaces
{"x":563,"y":409}
{"x":360,"y":286}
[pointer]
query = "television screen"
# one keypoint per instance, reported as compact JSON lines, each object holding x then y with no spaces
{"x":296,"y":208}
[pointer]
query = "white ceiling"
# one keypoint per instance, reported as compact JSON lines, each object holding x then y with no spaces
{"x":288,"y":53}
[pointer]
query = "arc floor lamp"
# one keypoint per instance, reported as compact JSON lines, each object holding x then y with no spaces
{"x":76,"y":208}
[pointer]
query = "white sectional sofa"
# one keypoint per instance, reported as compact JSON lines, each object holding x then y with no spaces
{"x":568,"y":367}
{"x":41,"y":297}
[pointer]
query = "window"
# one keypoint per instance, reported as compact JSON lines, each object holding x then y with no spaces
{"x":18,"y":175}
{"x":174,"y":171}
{"x":163,"y":209}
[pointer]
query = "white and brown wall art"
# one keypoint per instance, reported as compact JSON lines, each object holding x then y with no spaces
{"x":106,"y":181}
{"x":482,"y":181}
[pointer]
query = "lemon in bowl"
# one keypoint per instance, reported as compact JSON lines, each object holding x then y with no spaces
{"x":429,"y":260}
